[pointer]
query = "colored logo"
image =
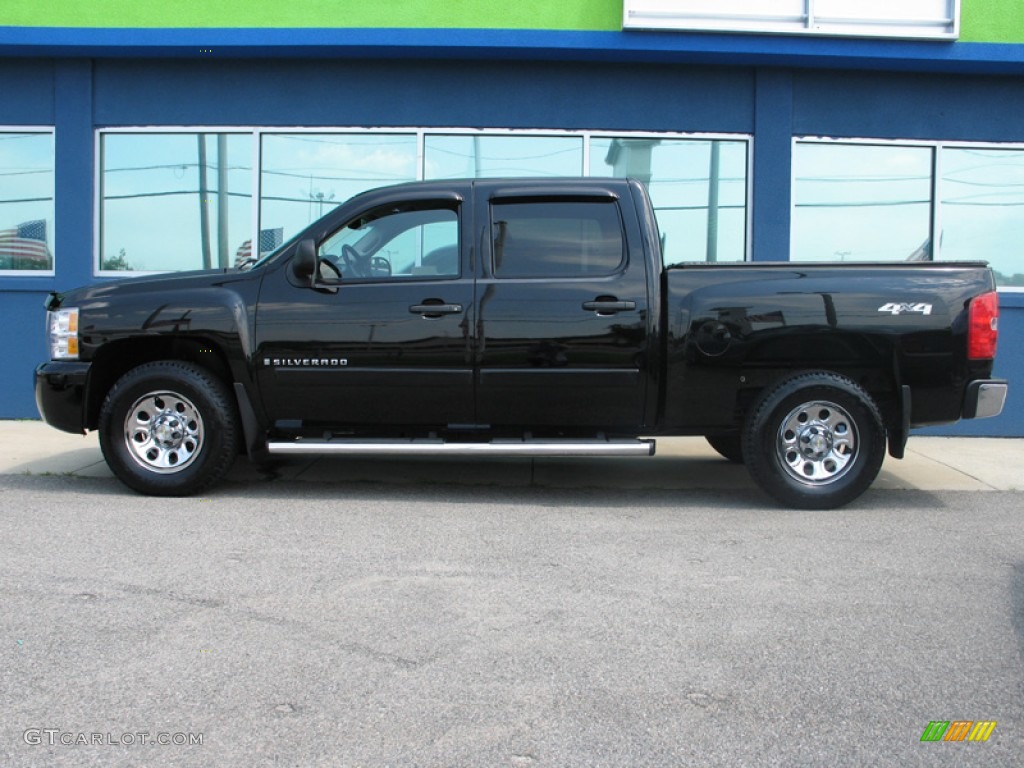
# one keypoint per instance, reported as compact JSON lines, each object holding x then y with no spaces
{"x":958,"y":730}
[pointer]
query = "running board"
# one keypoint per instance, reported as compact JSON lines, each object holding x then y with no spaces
{"x":436,"y":447}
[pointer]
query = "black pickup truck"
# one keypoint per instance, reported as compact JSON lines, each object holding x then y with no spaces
{"x":519,"y":318}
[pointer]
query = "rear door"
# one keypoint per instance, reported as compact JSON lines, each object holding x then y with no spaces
{"x":563,"y":308}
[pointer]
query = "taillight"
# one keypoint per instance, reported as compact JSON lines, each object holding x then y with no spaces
{"x":983,"y":326}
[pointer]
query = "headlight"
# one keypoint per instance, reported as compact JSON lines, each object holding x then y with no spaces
{"x":62,"y":326}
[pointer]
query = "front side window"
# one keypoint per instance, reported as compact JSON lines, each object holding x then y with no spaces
{"x":419,"y":243}
{"x":556,"y":239}
{"x":26,"y":202}
{"x":175,"y":201}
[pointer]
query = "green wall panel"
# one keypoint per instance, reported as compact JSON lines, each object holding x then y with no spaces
{"x":521,"y":14}
{"x":992,"y":21}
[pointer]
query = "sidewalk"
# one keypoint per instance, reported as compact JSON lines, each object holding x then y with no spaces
{"x":932,"y":463}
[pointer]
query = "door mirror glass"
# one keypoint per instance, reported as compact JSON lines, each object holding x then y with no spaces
{"x":304,"y":262}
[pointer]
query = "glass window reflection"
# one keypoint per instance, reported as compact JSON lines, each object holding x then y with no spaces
{"x":476,"y":156}
{"x":175,"y":201}
{"x":982,"y":211}
{"x":698,"y":189}
{"x":861,"y":202}
{"x":303,"y":176}
{"x":26,"y":201}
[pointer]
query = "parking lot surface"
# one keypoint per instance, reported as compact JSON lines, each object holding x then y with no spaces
{"x":404,"y":620}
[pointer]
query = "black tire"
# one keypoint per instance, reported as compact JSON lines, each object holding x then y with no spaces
{"x":729,"y":446}
{"x":169,"y":428}
{"x":815,"y":441}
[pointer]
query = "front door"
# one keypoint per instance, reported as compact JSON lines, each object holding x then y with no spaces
{"x":385,"y":337}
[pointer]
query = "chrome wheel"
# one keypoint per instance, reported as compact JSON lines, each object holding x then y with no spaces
{"x":163,"y":432}
{"x":169,"y":428}
{"x":817,"y":442}
{"x":814,"y":441}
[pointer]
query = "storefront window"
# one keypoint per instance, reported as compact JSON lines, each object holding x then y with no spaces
{"x":479,"y":156}
{"x":303,"y":176}
{"x":698,"y":188}
{"x":174,"y":201}
{"x":26,"y":201}
{"x":982,"y":211}
{"x":179,"y":200}
{"x":856,"y":202}
{"x":889,"y":202}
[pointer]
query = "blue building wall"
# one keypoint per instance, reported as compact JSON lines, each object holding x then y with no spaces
{"x":774,"y":104}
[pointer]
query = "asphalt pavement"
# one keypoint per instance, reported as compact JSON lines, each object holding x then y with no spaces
{"x":523,"y":613}
{"x":371,"y":624}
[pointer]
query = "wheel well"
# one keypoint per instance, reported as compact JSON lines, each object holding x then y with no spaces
{"x":115,"y":359}
{"x":884,"y":390}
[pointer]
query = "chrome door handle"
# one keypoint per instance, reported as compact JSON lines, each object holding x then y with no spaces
{"x":435,"y":310}
{"x":608,"y":307}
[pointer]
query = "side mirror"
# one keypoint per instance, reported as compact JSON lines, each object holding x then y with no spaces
{"x":304,"y":262}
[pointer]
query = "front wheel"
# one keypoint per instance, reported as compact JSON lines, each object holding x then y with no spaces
{"x":815,"y":441}
{"x":169,"y":428}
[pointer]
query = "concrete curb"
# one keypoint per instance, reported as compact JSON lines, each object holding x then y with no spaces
{"x":932,"y":463}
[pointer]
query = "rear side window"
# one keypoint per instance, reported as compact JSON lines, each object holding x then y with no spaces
{"x":556,"y":239}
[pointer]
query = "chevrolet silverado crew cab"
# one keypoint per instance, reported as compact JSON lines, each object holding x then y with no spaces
{"x":519,"y":318}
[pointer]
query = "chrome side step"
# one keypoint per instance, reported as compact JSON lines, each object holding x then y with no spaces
{"x":436,"y":447}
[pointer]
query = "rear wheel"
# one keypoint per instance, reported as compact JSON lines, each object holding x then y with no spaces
{"x":169,"y":428}
{"x":815,"y":441}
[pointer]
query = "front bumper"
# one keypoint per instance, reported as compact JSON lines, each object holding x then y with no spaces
{"x":60,"y":394}
{"x":985,"y":398}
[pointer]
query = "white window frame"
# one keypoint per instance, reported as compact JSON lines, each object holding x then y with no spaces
{"x":935,"y":221}
{"x":257,"y":132}
{"x":52,"y":234}
{"x":852,"y":18}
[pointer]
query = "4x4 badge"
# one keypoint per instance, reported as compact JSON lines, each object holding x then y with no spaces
{"x":898,"y":308}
